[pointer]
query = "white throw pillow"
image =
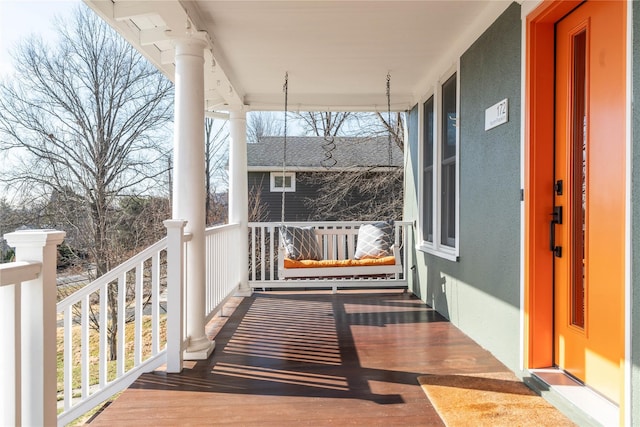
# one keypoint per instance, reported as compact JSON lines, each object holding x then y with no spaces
{"x":374,"y":240}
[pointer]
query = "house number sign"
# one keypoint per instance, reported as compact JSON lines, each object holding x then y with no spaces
{"x":496,"y":115}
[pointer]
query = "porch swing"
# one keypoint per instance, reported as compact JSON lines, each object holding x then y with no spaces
{"x":346,"y":252}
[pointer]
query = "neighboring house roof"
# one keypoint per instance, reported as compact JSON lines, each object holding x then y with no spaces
{"x":306,"y":153}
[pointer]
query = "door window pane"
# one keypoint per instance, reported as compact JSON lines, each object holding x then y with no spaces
{"x":579,"y":181}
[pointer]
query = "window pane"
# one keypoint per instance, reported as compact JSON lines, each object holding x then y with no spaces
{"x":448,"y":223}
{"x":428,"y":133}
{"x":427,"y":219}
{"x":449,"y":118}
{"x":579,"y":181}
{"x":448,"y":184}
{"x":277,"y":181}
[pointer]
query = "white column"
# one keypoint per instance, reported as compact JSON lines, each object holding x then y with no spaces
{"x":189,"y":184}
{"x":239,"y":193}
{"x":38,"y":322}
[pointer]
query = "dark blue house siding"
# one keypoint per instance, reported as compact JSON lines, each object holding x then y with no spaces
{"x":295,"y":208}
{"x":354,"y":205}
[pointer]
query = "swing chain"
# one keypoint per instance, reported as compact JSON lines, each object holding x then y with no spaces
{"x":285,"y":89}
{"x":390,"y":148}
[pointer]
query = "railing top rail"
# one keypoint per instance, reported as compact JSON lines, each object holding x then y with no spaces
{"x":20,"y":271}
{"x":220,"y":228}
{"x":321,"y":223}
{"x":112,"y":274}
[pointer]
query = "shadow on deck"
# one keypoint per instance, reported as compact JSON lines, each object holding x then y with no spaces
{"x":310,"y":358}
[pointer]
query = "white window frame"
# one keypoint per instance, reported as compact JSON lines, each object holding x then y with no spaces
{"x":275,"y":188}
{"x":435,"y":247}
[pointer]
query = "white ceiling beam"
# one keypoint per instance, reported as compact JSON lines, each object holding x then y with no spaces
{"x":124,"y":10}
{"x":148,"y":37}
{"x":216,"y":115}
{"x":224,"y":70}
{"x":168,"y":56}
{"x":171,"y":13}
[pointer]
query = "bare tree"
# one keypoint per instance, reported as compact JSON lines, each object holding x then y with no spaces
{"x":359,"y":195}
{"x":324,"y":123}
{"x":85,"y":117}
{"x":262,"y":123}
{"x":257,"y":207}
{"x":257,"y":213}
{"x":10,"y":219}
{"x":369,"y":194}
{"x":148,"y":214}
{"x":216,"y":154}
{"x":392,"y":126}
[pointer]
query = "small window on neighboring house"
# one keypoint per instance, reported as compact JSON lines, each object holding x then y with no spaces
{"x":439,"y":207}
{"x":278,"y":181}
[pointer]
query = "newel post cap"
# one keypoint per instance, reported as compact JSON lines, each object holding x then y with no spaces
{"x":34,"y":238}
{"x":174,"y":223}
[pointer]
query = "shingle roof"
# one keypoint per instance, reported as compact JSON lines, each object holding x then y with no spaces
{"x":307,"y":152}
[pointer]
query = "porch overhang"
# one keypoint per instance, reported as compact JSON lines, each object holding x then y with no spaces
{"x":337,"y":53}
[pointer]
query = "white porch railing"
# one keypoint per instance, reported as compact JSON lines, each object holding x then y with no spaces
{"x":223,"y":266}
{"x":141,"y":301}
{"x":129,"y":300}
{"x":128,"y":304}
{"x":151,"y":309}
{"x":263,"y":253}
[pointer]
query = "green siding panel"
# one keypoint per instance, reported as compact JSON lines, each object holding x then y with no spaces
{"x":480,"y":293}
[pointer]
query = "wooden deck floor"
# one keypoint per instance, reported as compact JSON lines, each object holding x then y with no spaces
{"x":309,"y":358}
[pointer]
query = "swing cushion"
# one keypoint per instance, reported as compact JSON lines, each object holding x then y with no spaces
{"x":290,"y":263}
{"x":300,"y":243}
{"x":374,"y":240}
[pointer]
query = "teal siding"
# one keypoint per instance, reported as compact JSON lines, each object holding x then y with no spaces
{"x":480,"y":293}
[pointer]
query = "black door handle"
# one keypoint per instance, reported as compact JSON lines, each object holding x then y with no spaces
{"x":556,"y":218}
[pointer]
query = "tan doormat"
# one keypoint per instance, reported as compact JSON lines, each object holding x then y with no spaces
{"x":491,"y":399}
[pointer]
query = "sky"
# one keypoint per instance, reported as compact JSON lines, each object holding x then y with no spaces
{"x":20,"y":18}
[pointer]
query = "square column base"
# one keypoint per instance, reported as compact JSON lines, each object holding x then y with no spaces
{"x":244,"y":291}
{"x":202,"y":354}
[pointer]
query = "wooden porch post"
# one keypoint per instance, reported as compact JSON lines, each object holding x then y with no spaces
{"x":238,"y":194}
{"x":188,"y":185}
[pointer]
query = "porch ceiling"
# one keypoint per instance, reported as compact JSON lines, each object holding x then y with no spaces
{"x":337,"y":53}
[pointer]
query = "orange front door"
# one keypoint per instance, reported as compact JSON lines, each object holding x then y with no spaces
{"x":587,"y":231}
